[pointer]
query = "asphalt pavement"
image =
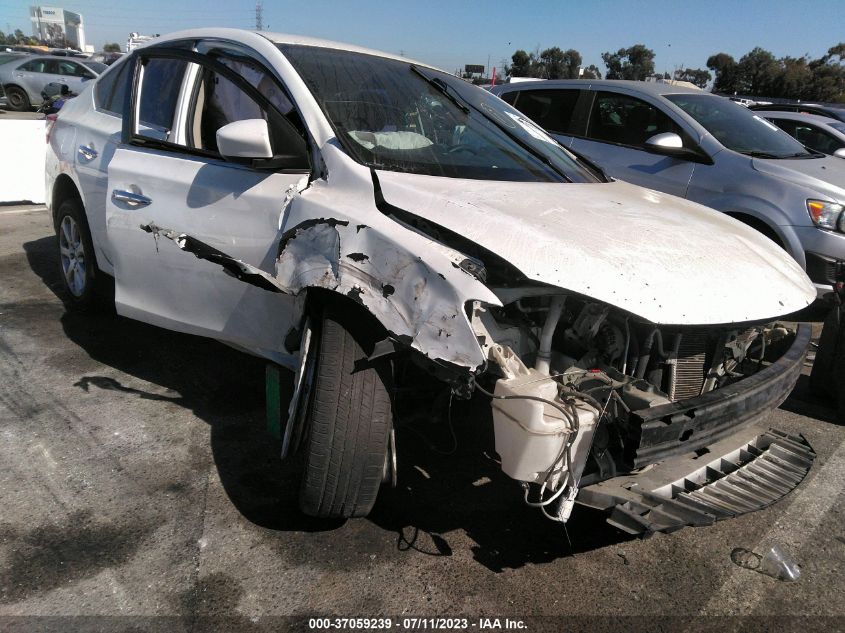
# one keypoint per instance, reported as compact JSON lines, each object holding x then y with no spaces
{"x":137,"y":482}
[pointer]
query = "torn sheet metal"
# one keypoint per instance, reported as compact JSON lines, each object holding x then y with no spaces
{"x":234,"y":267}
{"x":406,"y":280}
{"x":657,"y":256}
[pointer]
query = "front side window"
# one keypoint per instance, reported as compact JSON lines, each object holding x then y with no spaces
{"x":72,"y":69}
{"x":220,"y":102}
{"x":618,"y":118}
{"x":738,"y":128}
{"x":392,"y":115}
{"x":210,"y":92}
{"x":550,"y":109}
{"x":97,"y":67}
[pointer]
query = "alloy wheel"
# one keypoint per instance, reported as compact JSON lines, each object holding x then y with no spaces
{"x":72,"y":253}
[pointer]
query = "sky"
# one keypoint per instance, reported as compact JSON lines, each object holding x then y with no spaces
{"x":450,"y":34}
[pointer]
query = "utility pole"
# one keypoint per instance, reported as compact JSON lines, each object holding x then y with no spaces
{"x":259,"y":10}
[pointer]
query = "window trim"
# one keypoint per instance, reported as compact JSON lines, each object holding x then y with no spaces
{"x":130,"y":136}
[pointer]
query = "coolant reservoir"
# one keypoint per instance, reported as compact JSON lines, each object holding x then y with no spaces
{"x":530,"y":435}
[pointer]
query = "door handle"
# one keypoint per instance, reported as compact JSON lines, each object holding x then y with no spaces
{"x":134,"y":200}
{"x":88,"y":153}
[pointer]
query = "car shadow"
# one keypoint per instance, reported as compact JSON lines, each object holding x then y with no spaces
{"x":445,"y":483}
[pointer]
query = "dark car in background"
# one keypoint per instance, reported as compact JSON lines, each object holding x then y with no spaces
{"x":831,"y":110}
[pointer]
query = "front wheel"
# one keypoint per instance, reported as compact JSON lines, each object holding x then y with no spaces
{"x":349,"y":420}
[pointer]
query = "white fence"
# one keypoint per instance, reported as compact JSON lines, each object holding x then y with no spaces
{"x":22,"y":152}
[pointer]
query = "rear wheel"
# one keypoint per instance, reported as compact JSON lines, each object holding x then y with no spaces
{"x":86,"y":287}
{"x":348,"y":421}
{"x":17,"y":99}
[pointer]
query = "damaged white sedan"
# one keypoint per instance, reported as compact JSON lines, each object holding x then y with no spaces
{"x":344,"y":213}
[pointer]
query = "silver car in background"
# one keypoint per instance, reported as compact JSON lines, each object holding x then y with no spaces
{"x":821,"y":133}
{"x":24,"y":78}
{"x":705,"y":148}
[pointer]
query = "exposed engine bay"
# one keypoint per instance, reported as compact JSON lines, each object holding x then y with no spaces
{"x":573,"y":377}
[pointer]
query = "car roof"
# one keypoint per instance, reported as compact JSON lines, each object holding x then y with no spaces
{"x":647,"y":87}
{"x":818,"y":119}
{"x":278,"y":38}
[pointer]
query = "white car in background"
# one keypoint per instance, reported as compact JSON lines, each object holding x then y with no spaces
{"x":379,"y":226}
{"x":24,"y":78}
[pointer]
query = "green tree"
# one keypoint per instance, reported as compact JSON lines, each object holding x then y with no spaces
{"x":697,"y":76}
{"x":757,"y":72}
{"x":828,"y":76}
{"x":551,"y":64}
{"x":571,"y":63}
{"x":636,"y":62}
{"x":521,"y":65}
{"x":591,"y":72}
{"x":113,"y":47}
{"x":724,"y":67}
{"x":794,"y":77}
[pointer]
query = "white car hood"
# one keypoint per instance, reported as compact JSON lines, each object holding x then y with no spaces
{"x":657,"y":256}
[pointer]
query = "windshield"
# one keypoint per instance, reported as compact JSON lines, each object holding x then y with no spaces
{"x":392,"y":115}
{"x":738,"y":128}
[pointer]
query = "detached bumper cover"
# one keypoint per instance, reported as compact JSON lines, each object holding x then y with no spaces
{"x":693,"y":424}
{"x":746,"y":472}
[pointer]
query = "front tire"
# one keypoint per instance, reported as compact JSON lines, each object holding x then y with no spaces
{"x":349,"y":420}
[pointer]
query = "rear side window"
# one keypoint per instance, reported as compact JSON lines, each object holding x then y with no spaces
{"x":618,"y":118}
{"x":110,"y":91}
{"x":160,"y":89}
{"x":40,"y":66}
{"x":509,"y":97}
{"x":550,"y":109}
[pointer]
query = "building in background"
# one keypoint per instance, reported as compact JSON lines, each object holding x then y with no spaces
{"x":136,"y":40}
{"x":58,"y":27}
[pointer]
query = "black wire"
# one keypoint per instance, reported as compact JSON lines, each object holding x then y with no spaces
{"x":566,"y":414}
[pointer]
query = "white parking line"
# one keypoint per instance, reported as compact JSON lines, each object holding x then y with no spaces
{"x":18,"y":211}
{"x":744,"y":588}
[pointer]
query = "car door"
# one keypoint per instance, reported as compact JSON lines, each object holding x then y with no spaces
{"x":98,"y":134}
{"x":618,"y":127}
{"x":167,"y":183}
{"x":34,"y":75}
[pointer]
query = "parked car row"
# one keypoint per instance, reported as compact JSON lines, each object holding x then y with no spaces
{"x":25,"y":76}
{"x":381,"y":227}
{"x":704,"y":148}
